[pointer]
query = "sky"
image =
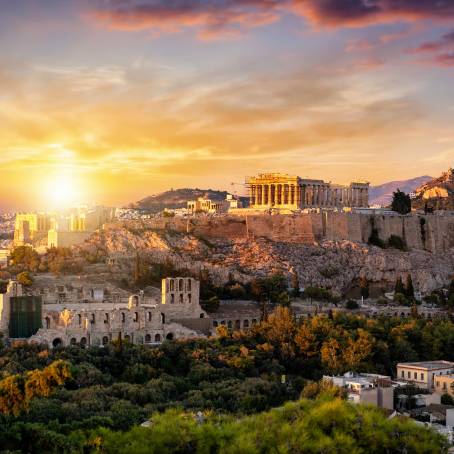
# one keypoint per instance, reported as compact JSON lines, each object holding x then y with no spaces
{"x":109,"y":101}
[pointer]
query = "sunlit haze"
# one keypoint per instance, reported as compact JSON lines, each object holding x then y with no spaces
{"x":111,"y":101}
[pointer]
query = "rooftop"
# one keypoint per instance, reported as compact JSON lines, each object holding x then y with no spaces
{"x":430,"y":365}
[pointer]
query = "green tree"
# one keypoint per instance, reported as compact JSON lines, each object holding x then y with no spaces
{"x":401,"y":202}
{"x":399,"y":287}
{"x":409,"y":288}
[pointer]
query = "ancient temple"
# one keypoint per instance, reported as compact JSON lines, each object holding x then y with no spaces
{"x":281,"y":191}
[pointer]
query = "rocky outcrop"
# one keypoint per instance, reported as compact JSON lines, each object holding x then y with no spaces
{"x":437,"y":194}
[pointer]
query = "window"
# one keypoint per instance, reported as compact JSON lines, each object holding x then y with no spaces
{"x":422,"y":376}
{"x":189,"y":285}
{"x":403,"y":374}
{"x":149,"y":316}
{"x":79,"y":319}
{"x":147,"y":338}
{"x":215,"y":324}
{"x":123,"y":317}
{"x":181,"y":298}
{"x":157,"y":338}
{"x":106,"y":319}
{"x":415,"y":375}
{"x":189,"y":298}
{"x":180,"y":285}
{"x":172,"y":298}
{"x":47,"y":323}
{"x":409,"y":374}
{"x":93,"y":319}
{"x":136,"y":316}
{"x":172,"y":285}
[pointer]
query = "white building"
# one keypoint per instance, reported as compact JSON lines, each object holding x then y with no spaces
{"x":422,"y":373}
{"x":371,"y":389}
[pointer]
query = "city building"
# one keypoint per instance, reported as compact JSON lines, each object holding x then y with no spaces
{"x":286,"y":192}
{"x":202,"y":205}
{"x":424,"y":373}
{"x":444,"y":384}
{"x":4,"y":257}
{"x":69,"y":315}
{"x":371,"y":389}
{"x":31,"y":227}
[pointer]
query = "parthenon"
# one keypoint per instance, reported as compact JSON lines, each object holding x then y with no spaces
{"x":281,"y":191}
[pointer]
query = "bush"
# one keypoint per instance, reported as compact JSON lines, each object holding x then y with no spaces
{"x":397,"y":242}
{"x":375,"y":239}
{"x":352,"y":305}
{"x":400,"y":298}
{"x":447,"y":399}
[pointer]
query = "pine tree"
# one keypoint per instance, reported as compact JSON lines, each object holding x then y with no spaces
{"x":401,"y":202}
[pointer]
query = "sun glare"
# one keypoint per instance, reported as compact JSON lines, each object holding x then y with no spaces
{"x":63,"y":192}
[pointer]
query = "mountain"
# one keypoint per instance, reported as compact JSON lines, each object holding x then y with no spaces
{"x":438,"y":193}
{"x":383,"y":194}
{"x":178,"y":198}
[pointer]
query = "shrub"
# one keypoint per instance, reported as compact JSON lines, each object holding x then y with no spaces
{"x":397,"y":242}
{"x":352,"y":305}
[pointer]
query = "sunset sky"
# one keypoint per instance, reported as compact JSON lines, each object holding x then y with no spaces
{"x":110,"y":101}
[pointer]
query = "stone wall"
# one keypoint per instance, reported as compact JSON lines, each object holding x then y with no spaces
{"x":434,"y":233}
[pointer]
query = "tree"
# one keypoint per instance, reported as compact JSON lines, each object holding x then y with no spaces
{"x":352,"y":305}
{"x":401,"y":202}
{"x":25,"y":258}
{"x":399,"y":287}
{"x":447,"y":399}
{"x":364,"y":287}
{"x":409,"y":288}
{"x":25,"y":278}
{"x":397,"y":242}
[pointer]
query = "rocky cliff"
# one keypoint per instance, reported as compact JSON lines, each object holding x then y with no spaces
{"x":437,"y":193}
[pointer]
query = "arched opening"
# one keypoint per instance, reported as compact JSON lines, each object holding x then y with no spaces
{"x":163,"y":318}
{"x":149,"y":316}
{"x":73,"y":341}
{"x":215,"y":324}
{"x":79,"y":319}
{"x":189,"y":285}
{"x":83,"y":342}
{"x":127,"y":338}
{"x":180,"y":285}
{"x":237,"y":324}
{"x":169,"y":336}
{"x":229,"y":324}
{"x":105,"y":340}
{"x":223,"y":322}
{"x":57,"y":342}
{"x":157,"y":338}
{"x":123,"y":317}
{"x":181,"y":298}
{"x":147,"y":338}
{"x":47,"y":322}
{"x":202,"y":315}
{"x":246,"y":324}
{"x":136,"y":316}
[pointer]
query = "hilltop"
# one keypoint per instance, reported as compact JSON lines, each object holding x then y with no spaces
{"x":437,"y":193}
{"x":177,"y":198}
{"x":383,"y":194}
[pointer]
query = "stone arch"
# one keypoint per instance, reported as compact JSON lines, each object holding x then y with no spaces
{"x":73,"y":341}
{"x":83,"y":341}
{"x":169,"y":336}
{"x":246,"y":324}
{"x":202,"y":315}
{"x":237,"y":324}
{"x":157,"y":338}
{"x":47,"y":321}
{"x":127,"y":338}
{"x":163,"y":318}
{"x":215,"y":324}
{"x":105,"y":340}
{"x":57,"y":342}
{"x":147,"y":338}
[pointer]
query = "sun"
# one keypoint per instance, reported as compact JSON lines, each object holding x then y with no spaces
{"x":63,"y":191}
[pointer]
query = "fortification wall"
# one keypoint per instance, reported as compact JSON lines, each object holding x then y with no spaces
{"x":430,"y":232}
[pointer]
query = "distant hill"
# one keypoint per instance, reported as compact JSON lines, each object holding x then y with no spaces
{"x":438,"y":193}
{"x":383,"y":194}
{"x":178,"y":198}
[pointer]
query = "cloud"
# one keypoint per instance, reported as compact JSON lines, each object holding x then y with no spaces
{"x":360,"y":13}
{"x":211,"y":18}
{"x":441,"y":51}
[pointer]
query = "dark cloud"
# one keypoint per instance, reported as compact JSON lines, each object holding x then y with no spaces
{"x":364,"y":12}
{"x":213,"y":18}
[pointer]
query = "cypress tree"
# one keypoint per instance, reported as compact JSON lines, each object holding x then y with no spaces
{"x":410,"y":290}
{"x":399,"y":288}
